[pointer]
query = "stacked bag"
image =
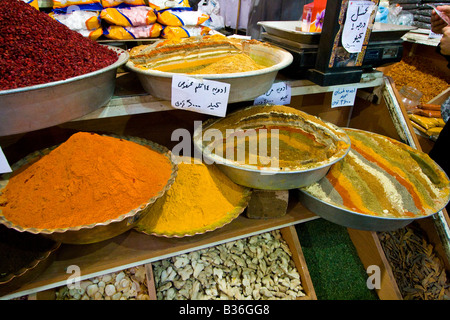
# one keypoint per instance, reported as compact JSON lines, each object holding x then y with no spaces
{"x":33,"y":3}
{"x":130,"y":19}
{"x":427,"y":118}
{"x":420,"y":10}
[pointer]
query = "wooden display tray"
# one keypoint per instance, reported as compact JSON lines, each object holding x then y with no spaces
{"x":133,"y":248}
{"x":368,"y":244}
{"x":289,"y":235}
{"x":370,"y":252}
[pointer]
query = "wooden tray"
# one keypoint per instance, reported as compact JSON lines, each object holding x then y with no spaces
{"x":289,"y":235}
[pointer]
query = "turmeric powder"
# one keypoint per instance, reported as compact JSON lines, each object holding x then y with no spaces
{"x":201,"y":199}
{"x":87,"y":179}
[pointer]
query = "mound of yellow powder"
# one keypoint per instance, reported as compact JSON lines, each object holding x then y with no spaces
{"x":202,"y":198}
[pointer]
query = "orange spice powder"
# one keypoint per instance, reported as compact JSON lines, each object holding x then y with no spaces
{"x":88,"y":179}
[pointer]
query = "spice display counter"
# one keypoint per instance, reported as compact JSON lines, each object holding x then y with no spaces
{"x":133,"y":248}
{"x":132,"y":110}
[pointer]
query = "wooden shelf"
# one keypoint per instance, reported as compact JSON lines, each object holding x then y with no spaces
{"x":133,"y":248}
{"x":130,"y":99}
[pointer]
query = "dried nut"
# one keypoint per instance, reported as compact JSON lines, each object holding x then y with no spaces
{"x":110,"y":290}
{"x":98,"y":296}
{"x":106,"y":278}
{"x":259,"y":267}
{"x":124,"y":283}
{"x":116,"y":296}
{"x":84,"y":284}
{"x":91,"y":290}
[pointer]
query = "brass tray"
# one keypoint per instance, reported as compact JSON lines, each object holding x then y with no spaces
{"x":230,"y":216}
{"x":100,"y":231}
{"x":29,"y":272}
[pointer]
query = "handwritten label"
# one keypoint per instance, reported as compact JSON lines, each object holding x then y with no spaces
{"x":200,"y":95}
{"x":279,"y":93}
{"x":343,"y":97}
{"x":4,"y":165}
{"x":356,"y":23}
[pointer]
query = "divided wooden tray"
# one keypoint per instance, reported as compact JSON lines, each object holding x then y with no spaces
{"x":289,"y":235}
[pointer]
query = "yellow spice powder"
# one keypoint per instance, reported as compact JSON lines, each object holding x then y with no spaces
{"x":201,"y":196}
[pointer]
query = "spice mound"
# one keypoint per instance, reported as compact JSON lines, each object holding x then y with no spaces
{"x":20,"y":251}
{"x":385,"y":178}
{"x":201,"y":199}
{"x":277,"y":137}
{"x":87,"y":179}
{"x":36,"y":49}
{"x":208,"y":55}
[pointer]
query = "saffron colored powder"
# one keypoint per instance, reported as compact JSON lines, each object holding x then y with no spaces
{"x":88,"y":179}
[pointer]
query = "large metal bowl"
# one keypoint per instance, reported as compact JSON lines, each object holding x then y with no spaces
{"x":268,"y":178}
{"x":244,"y":86}
{"x":44,"y":256}
{"x":45,"y":105}
{"x":352,"y":218}
{"x":100,"y":231}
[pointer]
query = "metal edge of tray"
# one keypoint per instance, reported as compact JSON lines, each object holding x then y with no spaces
{"x":349,"y":218}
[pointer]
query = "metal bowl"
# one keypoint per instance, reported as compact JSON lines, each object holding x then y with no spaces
{"x":100,"y":231}
{"x":45,"y":105}
{"x":159,"y":83}
{"x":265,"y":178}
{"x":29,"y":272}
{"x":347,"y":217}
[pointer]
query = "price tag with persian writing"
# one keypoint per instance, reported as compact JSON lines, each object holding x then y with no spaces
{"x":279,"y":94}
{"x":343,"y":97}
{"x":356,"y":23}
{"x":4,"y":165}
{"x":200,"y":95}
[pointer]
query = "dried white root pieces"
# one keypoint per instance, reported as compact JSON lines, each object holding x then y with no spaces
{"x":129,"y":284}
{"x":256,"y":268}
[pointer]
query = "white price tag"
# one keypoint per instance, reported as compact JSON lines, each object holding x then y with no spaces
{"x":356,"y":23}
{"x":343,"y":97}
{"x":4,"y":165}
{"x":279,"y":94}
{"x":200,"y":95}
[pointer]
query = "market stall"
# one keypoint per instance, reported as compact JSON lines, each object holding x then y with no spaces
{"x":207,"y":231}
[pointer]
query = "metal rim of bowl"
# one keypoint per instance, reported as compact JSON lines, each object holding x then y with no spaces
{"x":363,"y":215}
{"x":153,"y":146}
{"x":21,"y":272}
{"x":122,"y":58}
{"x":286,"y":59}
{"x":223,"y":161}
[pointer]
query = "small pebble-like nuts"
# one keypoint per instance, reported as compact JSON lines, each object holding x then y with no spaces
{"x":98,"y":296}
{"x":91,"y":290}
{"x":124,"y":283}
{"x":110,"y":290}
{"x":120,"y":276}
{"x":106,"y":278}
{"x":116,"y":296}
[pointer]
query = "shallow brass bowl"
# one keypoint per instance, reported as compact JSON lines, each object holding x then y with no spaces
{"x":100,"y":231}
{"x":15,"y":280}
